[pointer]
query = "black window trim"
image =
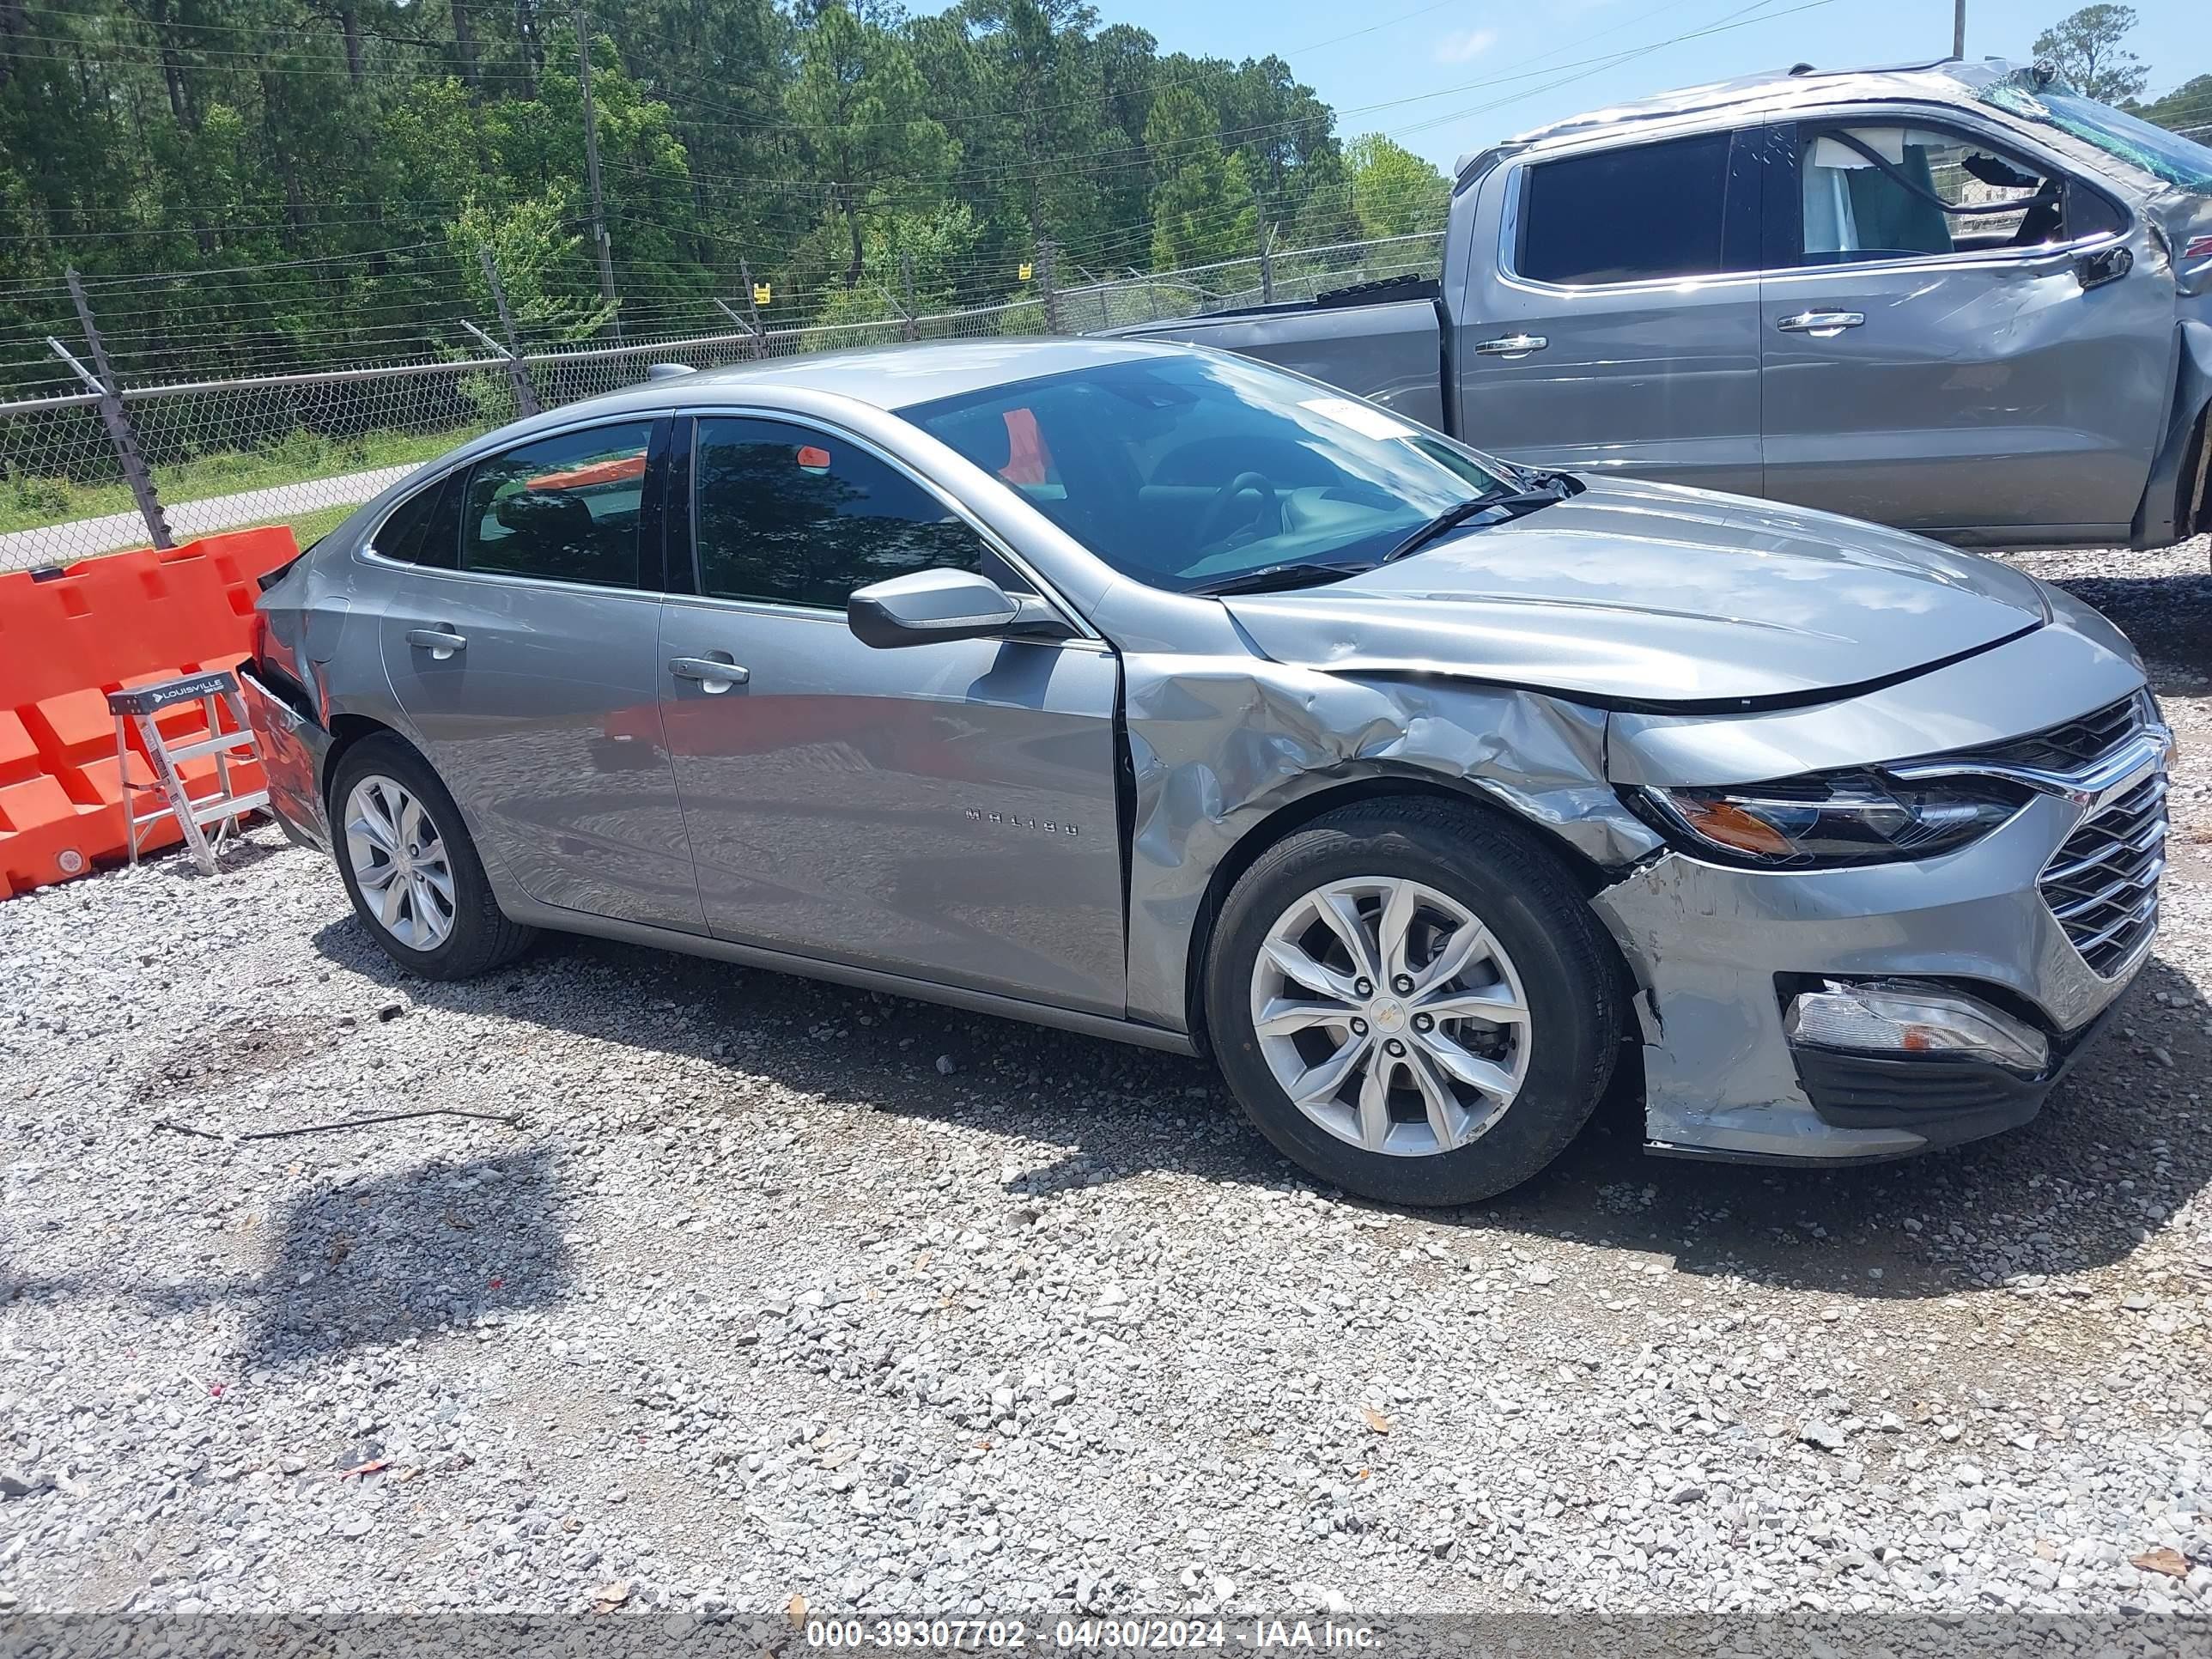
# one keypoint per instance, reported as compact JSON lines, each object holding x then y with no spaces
{"x":1784,"y":235}
{"x":680,"y":520}
{"x":1740,"y":212}
{"x":649,"y":536}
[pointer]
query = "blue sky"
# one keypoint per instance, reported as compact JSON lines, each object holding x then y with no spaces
{"x":1495,"y":69}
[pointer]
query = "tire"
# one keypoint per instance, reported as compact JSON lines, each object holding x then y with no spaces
{"x":1545,"y":953}
{"x":478,"y":936}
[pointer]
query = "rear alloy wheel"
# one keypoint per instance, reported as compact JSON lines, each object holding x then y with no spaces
{"x":1413,"y":1000}
{"x":399,"y":863}
{"x":411,"y":869}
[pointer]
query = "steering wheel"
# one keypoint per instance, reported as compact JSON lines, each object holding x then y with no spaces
{"x":1218,"y":511}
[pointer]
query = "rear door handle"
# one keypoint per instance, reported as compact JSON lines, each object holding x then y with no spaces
{"x":1821,"y":325}
{"x":442,"y":642}
{"x":1513,"y":345}
{"x":716,"y":674}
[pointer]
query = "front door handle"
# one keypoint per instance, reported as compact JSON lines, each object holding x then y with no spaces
{"x":716,"y":674}
{"x":1821,"y":325}
{"x":1513,"y":345}
{"x":442,"y":642}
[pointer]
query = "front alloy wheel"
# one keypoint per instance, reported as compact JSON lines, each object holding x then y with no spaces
{"x":1412,"y":999}
{"x":1390,"y":1016}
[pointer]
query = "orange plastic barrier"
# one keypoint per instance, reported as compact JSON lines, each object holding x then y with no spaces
{"x":69,"y":637}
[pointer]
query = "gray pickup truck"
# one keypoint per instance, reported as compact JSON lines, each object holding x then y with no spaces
{"x":1957,"y":298}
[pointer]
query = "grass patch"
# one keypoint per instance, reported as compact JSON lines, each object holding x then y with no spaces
{"x":309,"y":528}
{"x":27,"y":501}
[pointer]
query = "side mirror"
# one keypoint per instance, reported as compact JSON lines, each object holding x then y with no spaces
{"x":927,"y":605}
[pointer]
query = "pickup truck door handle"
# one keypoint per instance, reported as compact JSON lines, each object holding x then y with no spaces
{"x":442,"y":642}
{"x":716,"y":674}
{"x":1821,"y":325}
{"x":1513,"y":345}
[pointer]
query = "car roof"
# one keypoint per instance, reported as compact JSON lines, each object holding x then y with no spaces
{"x":890,"y":378}
{"x":893,"y":377}
{"x":1950,"y":81}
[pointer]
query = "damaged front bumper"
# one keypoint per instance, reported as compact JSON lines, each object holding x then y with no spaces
{"x":293,"y":750}
{"x":1721,"y":955}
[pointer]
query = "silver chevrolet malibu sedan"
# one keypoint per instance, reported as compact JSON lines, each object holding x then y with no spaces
{"x":1161,"y":695}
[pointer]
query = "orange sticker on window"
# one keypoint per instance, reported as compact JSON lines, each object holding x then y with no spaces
{"x":813,"y":460}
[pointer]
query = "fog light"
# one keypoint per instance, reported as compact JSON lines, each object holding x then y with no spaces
{"x":1904,"y":1021}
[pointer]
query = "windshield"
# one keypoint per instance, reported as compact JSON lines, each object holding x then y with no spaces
{"x":1184,"y":470}
{"x":2163,"y":155}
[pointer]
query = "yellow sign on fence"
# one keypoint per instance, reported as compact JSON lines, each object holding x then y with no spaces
{"x":1025,"y":270}
{"x":760,"y":294}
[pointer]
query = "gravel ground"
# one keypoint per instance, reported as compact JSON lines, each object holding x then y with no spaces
{"x":778,"y":1289}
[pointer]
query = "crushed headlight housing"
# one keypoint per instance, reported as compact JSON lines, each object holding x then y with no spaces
{"x":1899,"y":1019}
{"x":1827,"y":820}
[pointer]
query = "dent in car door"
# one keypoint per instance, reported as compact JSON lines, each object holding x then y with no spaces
{"x":946,"y":811}
{"x":1991,"y":389}
{"x":1613,"y":324}
{"x":537,"y":697}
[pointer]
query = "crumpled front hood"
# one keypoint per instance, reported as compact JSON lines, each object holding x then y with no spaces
{"x":1650,"y":594}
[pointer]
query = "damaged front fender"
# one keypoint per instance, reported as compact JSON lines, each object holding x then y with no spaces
{"x":1218,"y":750}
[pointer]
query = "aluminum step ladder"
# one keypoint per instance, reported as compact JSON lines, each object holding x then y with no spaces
{"x":215,"y":690}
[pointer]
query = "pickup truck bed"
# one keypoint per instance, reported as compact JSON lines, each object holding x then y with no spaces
{"x":1384,"y":340}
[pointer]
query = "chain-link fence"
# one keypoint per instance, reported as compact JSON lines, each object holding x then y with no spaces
{"x":126,"y":460}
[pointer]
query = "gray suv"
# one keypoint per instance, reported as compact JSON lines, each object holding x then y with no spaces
{"x":1158,"y":693}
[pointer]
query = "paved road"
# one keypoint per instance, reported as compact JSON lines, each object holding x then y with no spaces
{"x":58,"y":544}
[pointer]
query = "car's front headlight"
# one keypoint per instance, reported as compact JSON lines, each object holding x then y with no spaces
{"x":1827,"y":820}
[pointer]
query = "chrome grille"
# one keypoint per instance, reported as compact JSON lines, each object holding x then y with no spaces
{"x":2103,"y":884}
{"x":2078,"y":742}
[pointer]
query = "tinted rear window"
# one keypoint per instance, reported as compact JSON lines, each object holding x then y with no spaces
{"x":424,"y":529}
{"x":1623,"y":215}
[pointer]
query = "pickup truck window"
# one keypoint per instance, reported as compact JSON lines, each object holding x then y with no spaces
{"x":1181,"y":472}
{"x":1626,"y":214}
{"x":1889,"y":192}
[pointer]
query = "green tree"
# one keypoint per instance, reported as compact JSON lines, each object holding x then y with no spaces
{"x":2085,"y":48}
{"x":1394,"y":191}
{"x":1042,"y":87}
{"x":1203,"y":209}
{"x":544,"y":269}
{"x":860,"y":110}
{"x":2189,"y":105}
{"x":272,"y":185}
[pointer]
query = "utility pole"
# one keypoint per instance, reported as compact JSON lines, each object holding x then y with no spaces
{"x":913,"y":330}
{"x":1958,"y":29}
{"x":592,"y":163}
{"x":1268,"y":259}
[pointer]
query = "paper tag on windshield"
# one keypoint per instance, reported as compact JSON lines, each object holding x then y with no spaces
{"x":1366,"y":422}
